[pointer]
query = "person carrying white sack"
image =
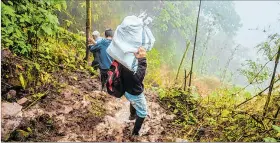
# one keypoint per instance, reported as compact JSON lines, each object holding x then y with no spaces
{"x":131,"y":41}
{"x":131,"y":34}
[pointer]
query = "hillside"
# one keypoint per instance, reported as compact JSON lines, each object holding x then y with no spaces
{"x":50,"y":91}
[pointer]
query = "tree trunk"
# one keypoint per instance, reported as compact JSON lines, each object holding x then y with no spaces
{"x":88,"y":29}
{"x":271,"y":83}
{"x":190,"y":81}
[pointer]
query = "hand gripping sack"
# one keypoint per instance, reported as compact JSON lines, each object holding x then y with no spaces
{"x":128,"y":37}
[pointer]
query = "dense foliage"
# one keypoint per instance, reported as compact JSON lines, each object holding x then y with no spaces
{"x":30,"y":29}
{"x":46,"y":41}
{"x":24,"y":23}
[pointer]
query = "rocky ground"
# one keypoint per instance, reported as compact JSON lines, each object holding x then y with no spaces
{"x":80,"y":112}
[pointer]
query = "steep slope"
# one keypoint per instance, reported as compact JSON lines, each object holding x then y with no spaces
{"x":80,"y":112}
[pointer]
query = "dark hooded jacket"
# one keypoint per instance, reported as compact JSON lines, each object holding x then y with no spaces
{"x":133,"y":82}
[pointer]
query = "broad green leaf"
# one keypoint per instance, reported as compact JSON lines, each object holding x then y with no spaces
{"x":23,"y":7}
{"x":22,"y":81}
{"x":269,"y":139}
{"x":7,"y":10}
{"x":42,"y":55}
{"x":37,"y":66}
{"x":10,"y":2}
{"x":47,"y":29}
{"x":52,"y":18}
{"x":276,"y":128}
{"x":29,"y":130}
{"x":225,"y":113}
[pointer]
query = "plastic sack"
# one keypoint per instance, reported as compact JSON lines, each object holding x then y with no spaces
{"x":132,"y":33}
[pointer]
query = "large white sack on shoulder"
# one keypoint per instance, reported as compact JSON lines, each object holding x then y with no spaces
{"x":150,"y":39}
{"x":122,"y":44}
{"x":126,"y":59}
{"x":129,"y":34}
{"x":114,"y":51}
{"x":128,"y":38}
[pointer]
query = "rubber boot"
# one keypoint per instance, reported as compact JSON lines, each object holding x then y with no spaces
{"x":132,"y":113}
{"x":103,"y":79}
{"x":138,"y":123}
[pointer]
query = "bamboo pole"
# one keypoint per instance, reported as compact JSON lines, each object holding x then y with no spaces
{"x":190,"y":81}
{"x":271,"y":83}
{"x":184,"y":55}
{"x":185,"y":80}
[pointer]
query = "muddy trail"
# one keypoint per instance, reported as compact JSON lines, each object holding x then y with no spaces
{"x":81,"y":112}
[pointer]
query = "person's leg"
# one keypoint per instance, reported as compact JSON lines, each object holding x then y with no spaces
{"x":132,"y":112}
{"x":101,"y":78}
{"x":137,"y":126}
{"x":103,"y":74}
{"x":94,"y":64}
{"x":140,"y":104}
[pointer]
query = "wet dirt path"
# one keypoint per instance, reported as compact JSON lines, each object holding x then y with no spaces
{"x":82,"y":113}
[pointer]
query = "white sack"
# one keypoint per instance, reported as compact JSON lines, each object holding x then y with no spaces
{"x":128,"y":38}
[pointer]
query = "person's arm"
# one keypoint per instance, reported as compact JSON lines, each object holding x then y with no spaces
{"x":91,"y":41}
{"x":141,"y":70}
{"x":142,"y":65}
{"x":96,"y":47}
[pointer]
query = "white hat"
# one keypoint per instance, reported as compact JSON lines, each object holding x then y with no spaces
{"x":95,"y":33}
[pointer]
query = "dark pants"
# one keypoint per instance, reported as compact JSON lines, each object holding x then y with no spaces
{"x":132,"y":110}
{"x":95,"y":64}
{"x":103,"y":74}
{"x":138,"y":123}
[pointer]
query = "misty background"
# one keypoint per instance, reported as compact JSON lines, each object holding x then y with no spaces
{"x":228,"y":32}
{"x":259,"y":19}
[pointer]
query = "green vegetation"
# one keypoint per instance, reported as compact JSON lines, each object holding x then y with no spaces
{"x":42,"y":41}
{"x":44,"y":50}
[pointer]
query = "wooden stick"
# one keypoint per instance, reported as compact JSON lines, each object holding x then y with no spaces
{"x":190,"y":81}
{"x":276,"y":114}
{"x":186,"y":77}
{"x":271,"y":83}
{"x":185,"y":80}
{"x":260,"y":93}
{"x":184,"y":55}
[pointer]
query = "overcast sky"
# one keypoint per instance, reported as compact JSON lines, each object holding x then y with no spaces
{"x":257,"y":14}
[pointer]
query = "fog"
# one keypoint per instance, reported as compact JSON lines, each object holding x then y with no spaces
{"x":259,"y":19}
{"x":228,"y":31}
{"x":257,"y":15}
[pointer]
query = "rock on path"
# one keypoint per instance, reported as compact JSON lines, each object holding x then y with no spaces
{"x":11,"y":118}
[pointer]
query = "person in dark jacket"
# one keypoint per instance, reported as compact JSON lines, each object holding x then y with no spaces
{"x":134,"y":90}
{"x":104,"y":58}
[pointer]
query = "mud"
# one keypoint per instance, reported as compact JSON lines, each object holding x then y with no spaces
{"x":80,"y":112}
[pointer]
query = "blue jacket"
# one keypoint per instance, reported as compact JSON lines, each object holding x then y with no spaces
{"x":96,"y":53}
{"x":104,"y":59}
